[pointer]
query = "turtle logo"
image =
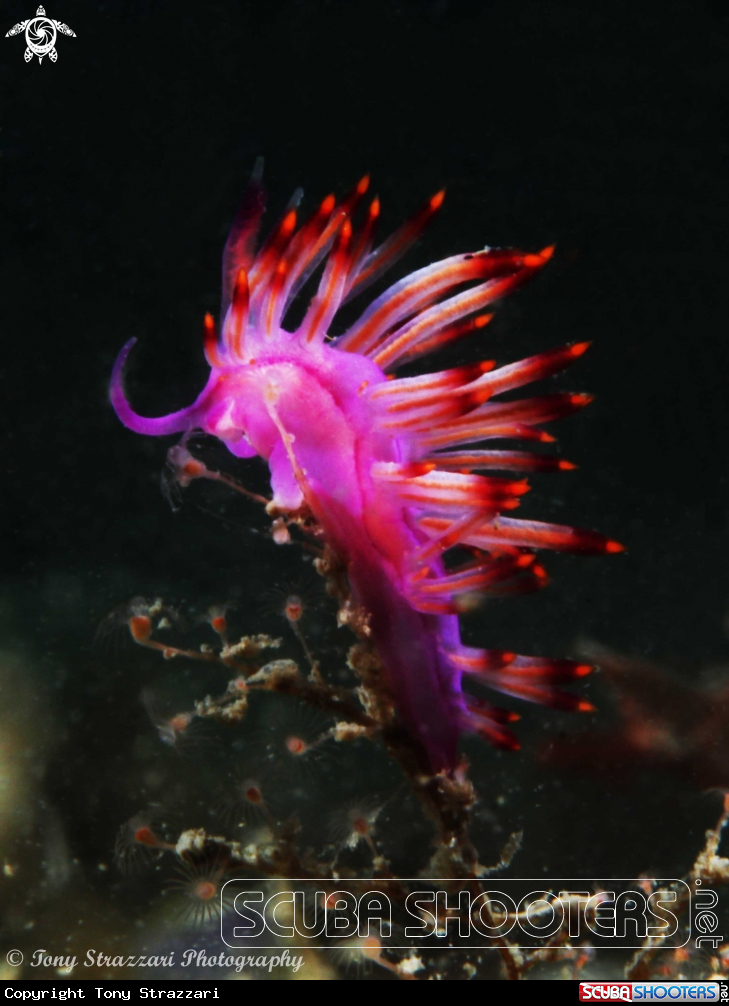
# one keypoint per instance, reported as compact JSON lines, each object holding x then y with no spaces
{"x":40,"y":34}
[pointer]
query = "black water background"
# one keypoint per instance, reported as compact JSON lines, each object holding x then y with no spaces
{"x":600,"y":127}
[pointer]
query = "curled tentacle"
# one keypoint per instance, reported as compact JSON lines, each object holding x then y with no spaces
{"x":159,"y":426}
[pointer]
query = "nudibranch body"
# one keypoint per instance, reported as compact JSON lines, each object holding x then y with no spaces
{"x":385,"y":465}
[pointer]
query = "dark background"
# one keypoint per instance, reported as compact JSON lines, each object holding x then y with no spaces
{"x":597,"y":126}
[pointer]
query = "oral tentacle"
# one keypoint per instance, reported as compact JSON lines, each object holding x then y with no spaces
{"x":175,"y":422}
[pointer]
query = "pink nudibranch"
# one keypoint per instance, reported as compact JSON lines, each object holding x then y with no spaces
{"x":385,"y":464}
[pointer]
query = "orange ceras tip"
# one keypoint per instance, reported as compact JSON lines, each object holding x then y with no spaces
{"x":241,"y":285}
{"x":289,"y":222}
{"x":140,"y":627}
{"x":219,"y":623}
{"x":375,"y":207}
{"x":566,"y":466}
{"x":586,"y":707}
{"x":582,"y":670}
{"x":363,"y":184}
{"x":534,"y":261}
{"x":210,"y":341}
{"x":328,"y":204}
{"x":437,"y":200}
{"x":579,"y":348}
{"x":614,"y":546}
{"x":482,"y":320}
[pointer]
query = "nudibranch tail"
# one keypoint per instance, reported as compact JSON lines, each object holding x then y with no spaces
{"x":391,"y":466}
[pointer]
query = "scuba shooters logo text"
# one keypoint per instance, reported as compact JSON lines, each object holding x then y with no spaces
{"x":653,"y":991}
{"x":439,"y":913}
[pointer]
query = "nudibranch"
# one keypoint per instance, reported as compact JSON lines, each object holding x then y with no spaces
{"x":387,"y":465}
